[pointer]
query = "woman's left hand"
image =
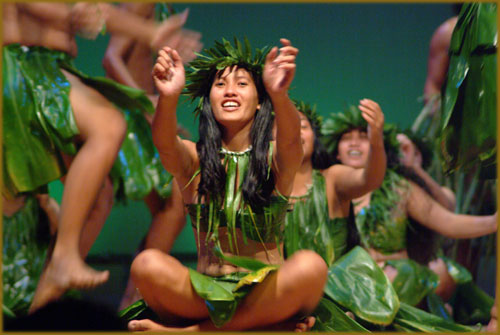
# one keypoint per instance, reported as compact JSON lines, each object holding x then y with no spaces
{"x":279,"y":68}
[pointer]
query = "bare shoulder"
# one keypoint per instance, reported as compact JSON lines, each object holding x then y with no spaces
{"x":334,"y":172}
{"x":442,"y":35}
{"x":337,"y":170}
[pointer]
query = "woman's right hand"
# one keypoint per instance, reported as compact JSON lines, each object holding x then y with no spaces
{"x":168,"y":73}
{"x":372,"y":113}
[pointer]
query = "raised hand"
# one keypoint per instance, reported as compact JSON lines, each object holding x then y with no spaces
{"x":168,"y":72}
{"x":88,"y":19}
{"x":372,"y":113}
{"x":169,"y":30}
{"x":187,"y":42}
{"x":279,"y":68}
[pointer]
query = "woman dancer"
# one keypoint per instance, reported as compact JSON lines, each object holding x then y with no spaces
{"x":235,"y":181}
{"x":322,"y":192}
{"x":382,"y":216}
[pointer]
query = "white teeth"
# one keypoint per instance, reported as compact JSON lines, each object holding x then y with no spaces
{"x":230,"y":104}
{"x":354,"y":153}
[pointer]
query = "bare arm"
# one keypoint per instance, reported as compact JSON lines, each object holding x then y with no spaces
{"x":146,"y":31}
{"x":351,"y":183}
{"x":445,"y":197}
{"x":119,"y":45}
{"x":438,"y":59}
{"x":279,"y":71}
{"x":113,"y":60}
{"x":412,"y":158}
{"x":178,"y":156}
{"x":431,"y":214}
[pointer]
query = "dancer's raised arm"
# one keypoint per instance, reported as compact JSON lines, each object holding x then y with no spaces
{"x":178,"y":156}
{"x":278,"y":74}
{"x":350,"y":182}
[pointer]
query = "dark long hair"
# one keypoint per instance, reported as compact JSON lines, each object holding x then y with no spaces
{"x":421,"y":242}
{"x":320,"y":158}
{"x":258,"y":183}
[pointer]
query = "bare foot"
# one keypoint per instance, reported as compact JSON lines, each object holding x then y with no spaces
{"x":305,"y":325}
{"x":292,"y":324}
{"x":146,"y":325}
{"x":60,"y":276}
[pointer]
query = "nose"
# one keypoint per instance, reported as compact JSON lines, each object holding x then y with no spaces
{"x":229,"y":90}
{"x":354,"y":141}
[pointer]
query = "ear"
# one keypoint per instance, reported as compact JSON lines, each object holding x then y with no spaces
{"x":258,"y":107}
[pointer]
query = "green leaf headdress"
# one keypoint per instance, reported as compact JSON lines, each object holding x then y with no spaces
{"x":310,"y":112}
{"x":339,"y":123}
{"x":217,"y":58}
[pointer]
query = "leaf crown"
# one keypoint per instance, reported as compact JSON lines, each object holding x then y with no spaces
{"x":222,"y":55}
{"x":339,"y":123}
{"x":310,"y":112}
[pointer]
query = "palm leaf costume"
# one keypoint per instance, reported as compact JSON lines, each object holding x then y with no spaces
{"x":229,"y":210}
{"x":25,"y":242}
{"x":355,"y":282}
{"x":469,"y":107}
{"x":39,"y":124}
{"x":381,"y":305}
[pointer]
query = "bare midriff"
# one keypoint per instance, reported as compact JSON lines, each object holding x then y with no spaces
{"x":22,"y":28}
{"x":210,"y":264}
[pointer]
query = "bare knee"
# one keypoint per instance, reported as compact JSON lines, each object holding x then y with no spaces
{"x":113,"y":132}
{"x":150,"y":265}
{"x":309,"y":273}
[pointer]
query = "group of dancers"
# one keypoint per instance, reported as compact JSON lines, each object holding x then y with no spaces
{"x":299,"y":222}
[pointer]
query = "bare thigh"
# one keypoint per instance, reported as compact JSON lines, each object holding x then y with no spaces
{"x":166,"y":286}
{"x":94,"y":114}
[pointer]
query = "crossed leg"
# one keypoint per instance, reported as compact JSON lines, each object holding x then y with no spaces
{"x":295,"y":288}
{"x":102,"y":129}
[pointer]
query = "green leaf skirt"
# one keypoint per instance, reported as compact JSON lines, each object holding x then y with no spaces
{"x":25,"y":244}
{"x":221,"y":294}
{"x":38,"y":124}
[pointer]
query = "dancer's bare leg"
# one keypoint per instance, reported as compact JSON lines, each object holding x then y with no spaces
{"x":97,"y":217}
{"x":167,"y":223}
{"x":102,"y":129}
{"x":295,"y":288}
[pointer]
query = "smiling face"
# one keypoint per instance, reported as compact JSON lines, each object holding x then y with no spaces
{"x":233,"y":97}
{"x":353,"y":148}
{"x":307,"y":136}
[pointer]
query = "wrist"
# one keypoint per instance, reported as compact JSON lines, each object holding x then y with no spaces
{"x":279,"y":98}
{"x":377,"y":141}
